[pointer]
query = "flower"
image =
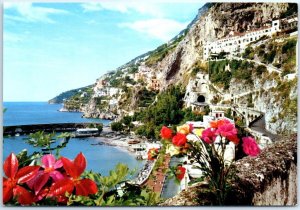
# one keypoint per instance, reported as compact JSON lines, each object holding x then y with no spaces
{"x":180,"y":172}
{"x":74,"y":169}
{"x":198,"y":131}
{"x":172,"y":150}
{"x":228,"y":131}
{"x":250,"y":146}
{"x":218,"y":123}
{"x":179,"y":139}
{"x":152,"y":153}
{"x":166,"y":133}
{"x":11,"y":187}
{"x":209,"y":135}
{"x":185,"y":129}
{"x":49,"y":164}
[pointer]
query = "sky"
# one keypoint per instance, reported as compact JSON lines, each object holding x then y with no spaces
{"x":49,"y":48}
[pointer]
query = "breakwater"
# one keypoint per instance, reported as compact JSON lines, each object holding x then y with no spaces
{"x":57,"y":127}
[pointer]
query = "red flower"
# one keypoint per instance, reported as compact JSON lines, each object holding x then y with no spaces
{"x":152,"y":153}
{"x":180,"y":172}
{"x":209,"y":135}
{"x":179,"y":139}
{"x":250,"y":146}
{"x":11,"y":187}
{"x":74,"y":169}
{"x":166,"y":133}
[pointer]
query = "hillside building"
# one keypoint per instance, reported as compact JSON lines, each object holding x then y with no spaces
{"x":237,"y":42}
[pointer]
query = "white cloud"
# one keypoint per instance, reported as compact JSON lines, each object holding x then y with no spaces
{"x":124,"y":7}
{"x":31,"y":13}
{"x":163,"y":29}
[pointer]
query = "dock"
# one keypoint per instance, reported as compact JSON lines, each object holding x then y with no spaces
{"x":48,"y":128}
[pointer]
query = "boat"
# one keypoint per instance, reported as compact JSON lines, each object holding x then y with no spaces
{"x":87,"y":132}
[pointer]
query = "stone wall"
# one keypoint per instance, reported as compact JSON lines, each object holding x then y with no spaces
{"x":269,"y":179}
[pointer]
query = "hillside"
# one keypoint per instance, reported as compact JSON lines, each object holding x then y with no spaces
{"x":258,"y":74}
{"x":67,"y":95}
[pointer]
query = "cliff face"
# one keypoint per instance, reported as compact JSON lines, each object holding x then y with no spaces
{"x":214,"y":23}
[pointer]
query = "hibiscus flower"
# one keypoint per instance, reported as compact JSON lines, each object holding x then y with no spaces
{"x":15,"y":177}
{"x":74,"y":169}
{"x":50,"y":165}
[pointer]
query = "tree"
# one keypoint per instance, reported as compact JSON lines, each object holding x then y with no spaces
{"x":116,"y":126}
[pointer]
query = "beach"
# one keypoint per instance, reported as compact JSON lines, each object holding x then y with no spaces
{"x":121,"y":141}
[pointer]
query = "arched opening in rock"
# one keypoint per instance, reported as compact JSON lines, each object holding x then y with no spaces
{"x":201,"y":99}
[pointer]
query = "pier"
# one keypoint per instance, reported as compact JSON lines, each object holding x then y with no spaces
{"x":55,"y":127}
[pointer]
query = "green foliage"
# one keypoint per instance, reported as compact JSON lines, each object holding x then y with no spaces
{"x":99,"y":126}
{"x":167,"y":110}
{"x":290,"y":45}
{"x":218,"y":73}
{"x":189,"y":115}
{"x":41,"y":139}
{"x":116,"y":126}
{"x":145,"y":97}
{"x":115,"y":82}
{"x":248,"y":53}
{"x":133,"y":69}
{"x":261,"y":69}
{"x":114,"y":191}
{"x":160,"y":53}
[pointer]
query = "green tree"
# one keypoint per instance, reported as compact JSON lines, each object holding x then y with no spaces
{"x":117,"y":126}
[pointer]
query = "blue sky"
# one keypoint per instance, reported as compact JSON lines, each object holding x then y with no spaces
{"x":49,"y":48}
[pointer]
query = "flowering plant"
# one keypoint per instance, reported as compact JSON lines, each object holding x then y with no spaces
{"x":152,"y":153}
{"x":52,"y":180}
{"x":212,"y":150}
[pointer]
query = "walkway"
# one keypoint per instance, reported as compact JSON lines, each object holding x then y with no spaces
{"x":157,"y":178}
{"x":260,"y":126}
{"x":269,"y":67}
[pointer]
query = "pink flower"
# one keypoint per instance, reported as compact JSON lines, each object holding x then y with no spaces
{"x":179,"y":139}
{"x":49,"y":164}
{"x":250,"y":146}
{"x":228,"y":131}
{"x":209,"y":135}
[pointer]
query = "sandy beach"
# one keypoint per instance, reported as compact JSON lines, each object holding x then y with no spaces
{"x":118,"y":140}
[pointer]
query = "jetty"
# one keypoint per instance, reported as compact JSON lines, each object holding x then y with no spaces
{"x":53,"y":127}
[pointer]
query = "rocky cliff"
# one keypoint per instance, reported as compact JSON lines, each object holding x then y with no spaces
{"x":214,"y":23}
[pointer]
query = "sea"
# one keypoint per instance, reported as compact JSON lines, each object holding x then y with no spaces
{"x":100,"y":158}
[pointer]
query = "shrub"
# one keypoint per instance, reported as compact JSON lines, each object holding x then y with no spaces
{"x":116,"y":126}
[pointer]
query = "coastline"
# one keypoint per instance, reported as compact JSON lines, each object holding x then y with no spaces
{"x":120,"y":141}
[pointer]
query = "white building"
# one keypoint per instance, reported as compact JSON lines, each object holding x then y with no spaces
{"x":236,"y":42}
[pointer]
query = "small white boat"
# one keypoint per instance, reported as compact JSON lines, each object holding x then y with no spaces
{"x":86,"y":132}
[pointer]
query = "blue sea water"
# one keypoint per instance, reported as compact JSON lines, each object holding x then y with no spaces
{"x":25,"y":113}
{"x":100,"y":158}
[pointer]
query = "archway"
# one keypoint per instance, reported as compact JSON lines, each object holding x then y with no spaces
{"x":201,"y":99}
